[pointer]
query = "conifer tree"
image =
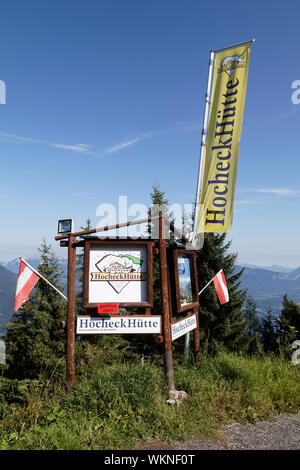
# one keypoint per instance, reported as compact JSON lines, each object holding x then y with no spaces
{"x":220,"y":325}
{"x":159,"y":206}
{"x":288,"y":324}
{"x":79,"y":272}
{"x":34,"y":345}
{"x":253,"y":325}
{"x":269,"y":333}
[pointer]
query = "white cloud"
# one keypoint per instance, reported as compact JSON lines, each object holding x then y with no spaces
{"x":128,"y":143}
{"x":280,"y":191}
{"x":117,"y":147}
{"x":289,"y":113}
{"x":78,"y":148}
{"x":4,"y":136}
{"x":84,"y":196}
{"x":81,"y":148}
{"x":248,"y":201}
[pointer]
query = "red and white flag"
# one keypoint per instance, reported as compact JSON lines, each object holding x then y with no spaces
{"x":26,"y":281}
{"x":221,"y":287}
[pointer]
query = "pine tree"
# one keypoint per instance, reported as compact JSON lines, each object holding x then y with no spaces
{"x":159,"y":206}
{"x":79,"y":272}
{"x":220,"y":325}
{"x":253,"y":325}
{"x":288,"y":324}
{"x":250,"y":315}
{"x":34,"y":345}
{"x":269,"y":333}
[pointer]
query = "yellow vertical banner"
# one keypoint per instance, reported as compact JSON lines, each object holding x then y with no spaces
{"x":223,"y":139}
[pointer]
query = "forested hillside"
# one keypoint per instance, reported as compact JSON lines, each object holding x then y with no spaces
{"x":8,"y":282}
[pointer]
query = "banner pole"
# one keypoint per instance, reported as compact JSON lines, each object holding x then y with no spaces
{"x":203,"y":139}
{"x":209,"y":282}
{"x":205,"y":286}
{"x":36,"y":272}
{"x":201,"y":164}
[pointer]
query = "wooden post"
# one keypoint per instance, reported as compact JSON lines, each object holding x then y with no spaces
{"x":70,"y":371}
{"x":197,"y":337}
{"x":196,"y":312}
{"x":165,"y":305}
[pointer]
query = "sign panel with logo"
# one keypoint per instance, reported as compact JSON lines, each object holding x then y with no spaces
{"x":118,"y":272}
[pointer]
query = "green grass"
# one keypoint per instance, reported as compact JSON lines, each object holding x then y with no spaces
{"x":119,"y":406}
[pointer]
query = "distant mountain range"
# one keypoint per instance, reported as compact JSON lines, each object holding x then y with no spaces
{"x":34,"y":261}
{"x":275,"y":268}
{"x":266,"y":285}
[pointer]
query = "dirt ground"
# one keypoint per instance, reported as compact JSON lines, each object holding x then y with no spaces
{"x":281,"y":433}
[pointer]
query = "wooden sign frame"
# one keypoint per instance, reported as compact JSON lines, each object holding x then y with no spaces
{"x":159,"y":247}
{"x":148,"y":304}
{"x":178,"y":306}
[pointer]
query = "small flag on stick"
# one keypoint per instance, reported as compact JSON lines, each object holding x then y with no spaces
{"x":28,"y":277}
{"x":221,"y":287}
{"x":26,"y":281}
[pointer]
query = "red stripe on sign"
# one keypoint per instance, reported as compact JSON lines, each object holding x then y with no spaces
{"x":108,"y":308}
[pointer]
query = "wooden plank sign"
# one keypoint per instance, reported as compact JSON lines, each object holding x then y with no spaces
{"x":182,"y":327}
{"x":119,"y":324}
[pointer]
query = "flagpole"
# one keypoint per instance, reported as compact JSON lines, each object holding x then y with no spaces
{"x":36,"y":272}
{"x":209,"y":282}
{"x":201,"y":165}
{"x":206,"y":286}
{"x":203,"y":139}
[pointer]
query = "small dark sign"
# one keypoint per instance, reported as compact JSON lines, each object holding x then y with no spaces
{"x":108,"y":308}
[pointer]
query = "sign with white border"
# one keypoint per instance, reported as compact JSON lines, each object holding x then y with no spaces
{"x":117,"y":273}
{"x":127,"y":324}
{"x":182,"y":327}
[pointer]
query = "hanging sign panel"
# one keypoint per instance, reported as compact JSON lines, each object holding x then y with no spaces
{"x":184,"y":279}
{"x":118,"y":273}
{"x":144,"y":324}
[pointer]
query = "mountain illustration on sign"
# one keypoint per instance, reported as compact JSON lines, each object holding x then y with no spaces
{"x":229,"y":62}
{"x":122,"y":264}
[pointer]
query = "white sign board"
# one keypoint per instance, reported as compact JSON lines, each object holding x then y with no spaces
{"x":182,"y":327}
{"x":119,"y":324}
{"x":117,"y":274}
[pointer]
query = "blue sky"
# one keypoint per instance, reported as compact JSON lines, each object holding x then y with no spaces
{"x":105,"y":98}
